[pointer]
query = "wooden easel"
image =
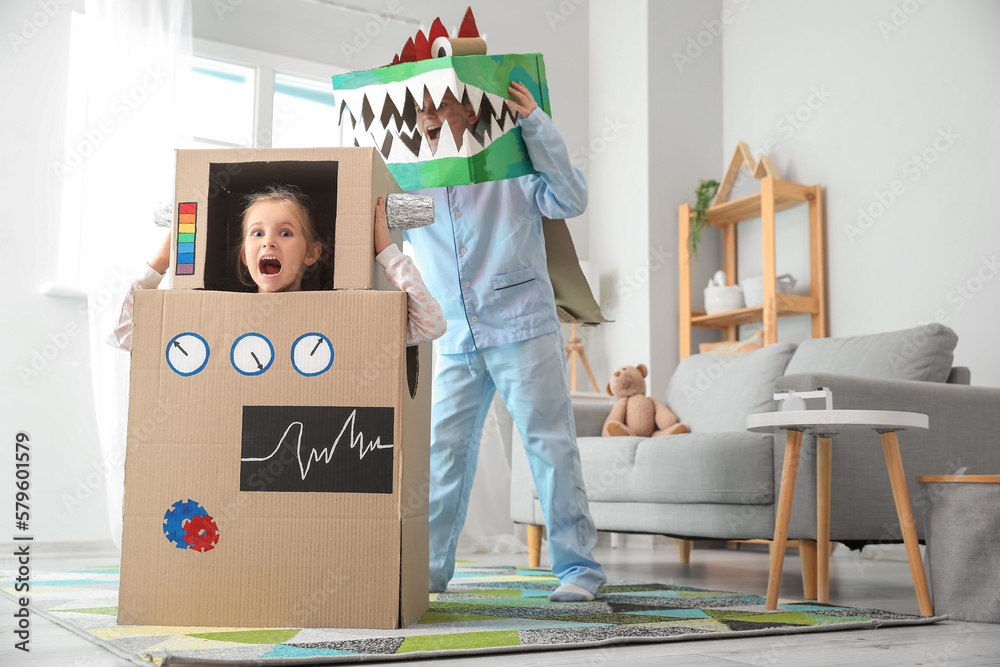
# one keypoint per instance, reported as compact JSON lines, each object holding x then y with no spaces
{"x":574,"y":351}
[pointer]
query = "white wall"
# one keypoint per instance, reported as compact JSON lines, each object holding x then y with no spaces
{"x":662,"y":125}
{"x":886,"y":87}
{"x":44,"y":370}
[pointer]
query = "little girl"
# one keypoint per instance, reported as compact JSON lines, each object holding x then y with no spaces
{"x":280,"y":247}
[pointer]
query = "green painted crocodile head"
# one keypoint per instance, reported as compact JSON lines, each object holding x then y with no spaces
{"x":382,"y":108}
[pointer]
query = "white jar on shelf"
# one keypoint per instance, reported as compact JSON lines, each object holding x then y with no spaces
{"x":753,"y":288}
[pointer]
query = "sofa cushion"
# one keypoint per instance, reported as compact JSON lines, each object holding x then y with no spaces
{"x":730,"y":468}
{"x":922,"y":353}
{"x":712,"y":394}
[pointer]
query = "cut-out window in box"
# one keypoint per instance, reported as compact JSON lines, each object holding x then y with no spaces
{"x":230,"y":185}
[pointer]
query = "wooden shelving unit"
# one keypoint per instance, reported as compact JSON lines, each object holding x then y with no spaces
{"x":775,"y":195}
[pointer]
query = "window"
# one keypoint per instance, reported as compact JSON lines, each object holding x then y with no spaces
{"x":251,"y":98}
{"x":219,"y":104}
{"x":227,"y":97}
{"x":304,"y":113}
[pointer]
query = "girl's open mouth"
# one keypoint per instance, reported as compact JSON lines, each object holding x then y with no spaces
{"x":269,"y":266}
{"x":433,"y":133}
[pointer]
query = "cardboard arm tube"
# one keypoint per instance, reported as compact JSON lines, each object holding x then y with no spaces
{"x":403,"y":211}
{"x":458,"y":46}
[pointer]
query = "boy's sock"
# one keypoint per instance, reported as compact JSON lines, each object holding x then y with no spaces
{"x":571,"y":593}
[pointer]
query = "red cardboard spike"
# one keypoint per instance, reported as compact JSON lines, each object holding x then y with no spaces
{"x":409,"y":53}
{"x":423,"y":47}
{"x":468,"y":27}
{"x":437,"y":30}
{"x":395,"y":59}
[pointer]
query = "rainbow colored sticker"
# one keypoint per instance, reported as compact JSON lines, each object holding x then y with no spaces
{"x":187,"y":217}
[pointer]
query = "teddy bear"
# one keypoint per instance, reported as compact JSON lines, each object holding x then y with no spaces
{"x":635,"y":413}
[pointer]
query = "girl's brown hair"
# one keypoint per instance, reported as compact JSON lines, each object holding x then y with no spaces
{"x":304,"y":210}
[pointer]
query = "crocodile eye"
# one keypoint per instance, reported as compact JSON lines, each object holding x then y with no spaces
{"x":441,"y":48}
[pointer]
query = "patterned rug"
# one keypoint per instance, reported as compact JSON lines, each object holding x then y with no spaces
{"x":486,"y":609}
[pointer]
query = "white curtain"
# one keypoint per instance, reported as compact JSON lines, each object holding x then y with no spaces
{"x":131,"y":52}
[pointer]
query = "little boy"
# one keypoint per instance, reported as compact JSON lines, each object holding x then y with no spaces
{"x":484,"y":259}
{"x":459,"y":116}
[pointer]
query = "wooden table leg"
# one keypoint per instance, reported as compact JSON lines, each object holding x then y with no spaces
{"x":897,"y":478}
{"x":684,"y":549}
{"x":790,"y":469}
{"x":824,"y":461}
{"x":807,"y":555}
{"x":534,"y":544}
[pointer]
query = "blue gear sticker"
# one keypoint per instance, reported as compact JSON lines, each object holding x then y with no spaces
{"x":174,"y":518}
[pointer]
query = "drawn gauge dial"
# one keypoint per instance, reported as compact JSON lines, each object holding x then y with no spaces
{"x":312,"y":354}
{"x":252,"y":354}
{"x":187,"y":353}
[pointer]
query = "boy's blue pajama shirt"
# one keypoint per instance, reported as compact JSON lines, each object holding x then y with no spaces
{"x":483,"y":259}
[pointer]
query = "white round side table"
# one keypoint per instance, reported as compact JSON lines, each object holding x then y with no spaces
{"x":826,"y":424}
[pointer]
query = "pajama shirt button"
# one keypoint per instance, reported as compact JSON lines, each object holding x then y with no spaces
{"x":458,"y":214}
{"x":462,"y":251}
{"x":473,"y":318}
{"x":468,"y":284}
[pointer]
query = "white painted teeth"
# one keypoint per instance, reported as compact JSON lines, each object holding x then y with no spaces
{"x":386,"y":138}
{"x":397,"y":91}
{"x":425,"y":151}
{"x":496,"y":102}
{"x":437,"y":90}
{"x":470,"y":145}
{"x":495,"y":130}
{"x":475,"y":96}
{"x":446,"y":143}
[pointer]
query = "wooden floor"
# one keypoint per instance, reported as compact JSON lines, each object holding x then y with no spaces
{"x":883,"y":583}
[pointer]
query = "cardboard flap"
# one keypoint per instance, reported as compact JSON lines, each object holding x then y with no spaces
{"x":412,"y":369}
{"x":575,"y":303}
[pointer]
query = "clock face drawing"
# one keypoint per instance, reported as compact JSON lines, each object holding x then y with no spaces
{"x":312,"y":354}
{"x":252,"y":354}
{"x":187,"y":353}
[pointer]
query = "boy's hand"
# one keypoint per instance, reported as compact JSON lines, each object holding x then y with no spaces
{"x":524,"y":96}
{"x":161,"y":260}
{"x":382,"y":238}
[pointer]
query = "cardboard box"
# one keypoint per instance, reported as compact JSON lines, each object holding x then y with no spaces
{"x":278,"y":444}
{"x":377,"y":109}
{"x":344,"y":184}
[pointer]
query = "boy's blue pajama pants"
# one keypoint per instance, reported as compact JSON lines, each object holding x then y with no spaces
{"x":530,"y":377}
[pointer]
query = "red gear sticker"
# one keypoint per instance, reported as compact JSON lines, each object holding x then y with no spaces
{"x":201,"y":533}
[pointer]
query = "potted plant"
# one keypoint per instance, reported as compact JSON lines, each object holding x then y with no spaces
{"x":704,"y":194}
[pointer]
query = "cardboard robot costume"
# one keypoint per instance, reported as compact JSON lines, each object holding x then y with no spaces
{"x":277,"y":443}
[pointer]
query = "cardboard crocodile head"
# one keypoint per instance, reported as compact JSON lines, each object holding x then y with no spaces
{"x":439,"y":114}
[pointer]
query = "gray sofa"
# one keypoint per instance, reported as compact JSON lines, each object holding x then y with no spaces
{"x":721,"y":482}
